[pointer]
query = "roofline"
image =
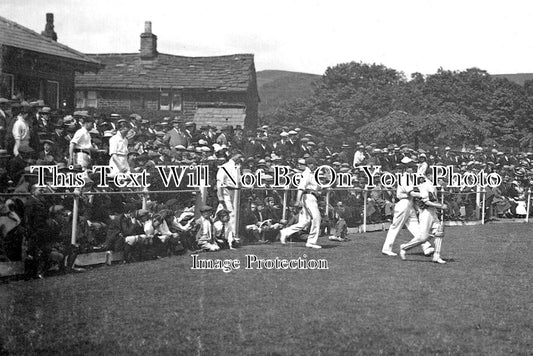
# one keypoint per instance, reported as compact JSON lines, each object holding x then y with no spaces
{"x":115,"y":88}
{"x":168,"y":54}
{"x":65,"y":47}
{"x":91,"y":66}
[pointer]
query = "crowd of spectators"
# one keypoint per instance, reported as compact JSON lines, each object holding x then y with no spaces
{"x":37,"y":227}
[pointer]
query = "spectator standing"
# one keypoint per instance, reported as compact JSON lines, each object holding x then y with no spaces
{"x":177,"y":135}
{"x":4,"y":120}
{"x":81,"y":146}
{"x":358,"y":156}
{"x":21,"y":129}
{"x":118,"y":149}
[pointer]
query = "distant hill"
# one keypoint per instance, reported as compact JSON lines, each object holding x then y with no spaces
{"x":277,"y":87}
{"x":519,"y":78}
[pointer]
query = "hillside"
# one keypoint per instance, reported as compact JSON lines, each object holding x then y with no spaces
{"x":277,"y":87}
{"x":518,"y":78}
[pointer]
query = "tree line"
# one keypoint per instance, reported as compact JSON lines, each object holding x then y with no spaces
{"x":357,"y":101}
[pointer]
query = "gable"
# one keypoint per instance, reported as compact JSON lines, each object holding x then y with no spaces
{"x":18,"y":36}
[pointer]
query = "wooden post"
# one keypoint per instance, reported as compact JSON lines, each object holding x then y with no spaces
{"x":365,"y":197}
{"x":204,"y":181}
{"x":201,"y":199}
{"x":203,"y":195}
{"x":528,"y":201}
{"x":483,"y":194}
{"x":75,"y":212}
{"x":237,"y":205}
{"x":327,"y":203}
{"x":478,"y":200}
{"x":285,"y":198}
{"x":145,"y":198}
{"x":442,"y":203}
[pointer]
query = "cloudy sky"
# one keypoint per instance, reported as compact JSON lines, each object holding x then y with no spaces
{"x":304,"y":36}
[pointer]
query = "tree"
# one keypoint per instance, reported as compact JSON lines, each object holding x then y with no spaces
{"x":348,"y":96}
{"x":441,"y":129}
{"x":372,"y":100}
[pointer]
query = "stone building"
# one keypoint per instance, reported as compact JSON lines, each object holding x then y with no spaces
{"x":36,"y":67}
{"x":218,"y":90}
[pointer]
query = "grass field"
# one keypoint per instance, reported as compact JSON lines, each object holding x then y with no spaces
{"x":479,"y":303}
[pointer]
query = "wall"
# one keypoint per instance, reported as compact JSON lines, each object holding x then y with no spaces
{"x":32,"y":71}
{"x":146,"y":104}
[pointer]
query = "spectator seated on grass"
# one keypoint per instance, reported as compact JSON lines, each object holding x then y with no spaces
{"x":204,"y":236}
{"x":341,"y":228}
{"x":12,"y":234}
{"x":223,"y":235}
{"x":267,"y":226}
{"x":184,"y":224}
{"x":135,"y":236}
{"x":164,"y":240}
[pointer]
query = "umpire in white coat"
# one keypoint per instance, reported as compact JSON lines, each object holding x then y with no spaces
{"x":228,"y":180}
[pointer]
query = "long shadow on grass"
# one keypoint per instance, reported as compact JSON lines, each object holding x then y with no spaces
{"x":448,"y":260}
{"x":302,"y":245}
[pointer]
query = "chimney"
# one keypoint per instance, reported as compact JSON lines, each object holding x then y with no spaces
{"x":49,"y":28}
{"x":148,"y":42}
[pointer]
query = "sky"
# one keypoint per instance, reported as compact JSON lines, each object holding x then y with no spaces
{"x":302,"y":36}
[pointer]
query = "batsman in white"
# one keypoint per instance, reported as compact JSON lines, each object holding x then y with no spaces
{"x":430,"y":225}
{"x":307,"y":199}
{"x":404,"y":212}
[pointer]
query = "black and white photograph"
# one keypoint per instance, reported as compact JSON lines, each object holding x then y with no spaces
{"x":266,"y":178}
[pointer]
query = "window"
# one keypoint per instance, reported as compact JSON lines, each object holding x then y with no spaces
{"x":92,"y":101}
{"x":164,"y":101}
{"x":87,"y":99}
{"x":52,"y":94}
{"x":176,"y":102}
{"x":7,"y":84}
{"x":80,"y":99}
{"x":168,"y":101}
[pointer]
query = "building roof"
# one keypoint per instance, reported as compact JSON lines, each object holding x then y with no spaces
{"x":165,"y":71}
{"x":15,"y":35}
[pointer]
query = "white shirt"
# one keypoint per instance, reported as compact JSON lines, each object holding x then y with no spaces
{"x":428,"y":192}
{"x":163,"y":229}
{"x":21,"y":131}
{"x":223,"y":180}
{"x":204,"y":232}
{"x":422,"y":168}
{"x":403,"y":190}
{"x":82,"y":139}
{"x":358,"y":158}
{"x":308,"y":181}
{"x":218,"y":227}
{"x":118,"y":145}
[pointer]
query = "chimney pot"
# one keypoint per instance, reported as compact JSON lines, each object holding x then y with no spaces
{"x":148,"y":42}
{"x":49,"y":28}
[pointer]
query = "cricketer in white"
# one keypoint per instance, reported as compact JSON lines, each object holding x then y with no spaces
{"x":404,"y":212}
{"x":307,"y":188}
{"x":430,"y":225}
